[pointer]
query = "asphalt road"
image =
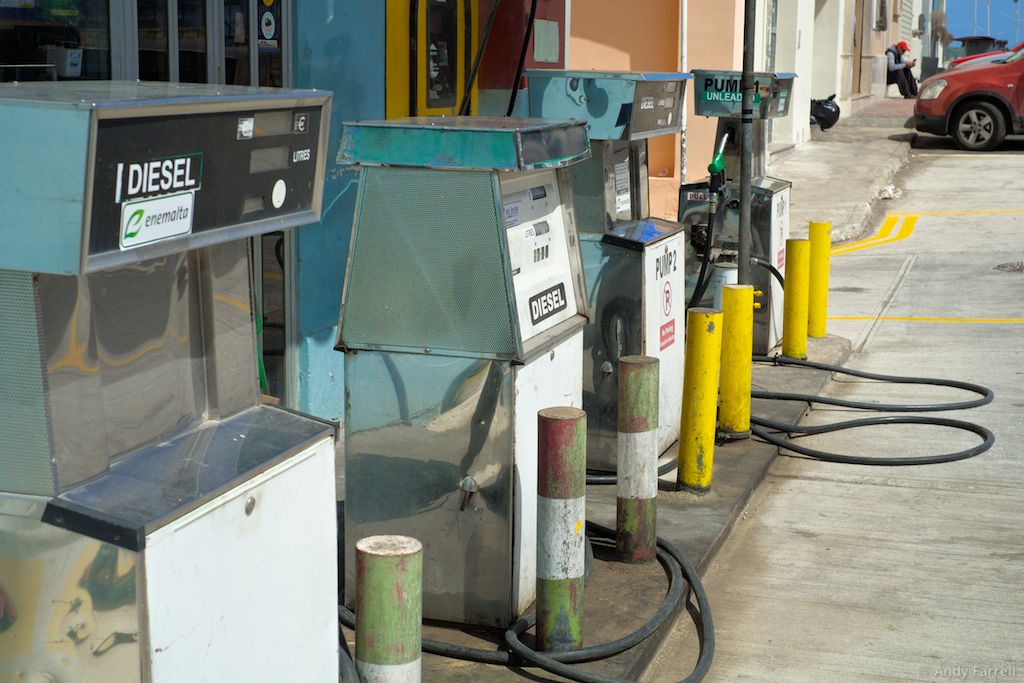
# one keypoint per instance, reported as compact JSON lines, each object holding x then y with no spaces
{"x":855,"y":573}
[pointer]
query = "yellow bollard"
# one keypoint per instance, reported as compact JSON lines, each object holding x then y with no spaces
{"x":737,"y":350}
{"x":794,"y":303}
{"x":817,"y":297}
{"x":700,"y":398}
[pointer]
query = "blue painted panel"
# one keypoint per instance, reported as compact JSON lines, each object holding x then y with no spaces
{"x":42,"y":182}
{"x":339,"y":46}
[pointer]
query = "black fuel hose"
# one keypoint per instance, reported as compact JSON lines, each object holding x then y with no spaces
{"x":680,"y":571}
{"x":987,"y":439}
{"x":986,"y":396}
{"x":522,"y":57}
{"x":757,"y":260}
{"x":553,"y":662}
{"x":703,"y":277}
{"x":346,"y":667}
{"x":606,"y":478}
{"x":471,"y":79}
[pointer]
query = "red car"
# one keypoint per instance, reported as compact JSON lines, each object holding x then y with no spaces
{"x":987,"y":56}
{"x":978,"y":104}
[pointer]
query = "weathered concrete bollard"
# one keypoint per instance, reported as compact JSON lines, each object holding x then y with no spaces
{"x":561,"y":489}
{"x":700,"y":398}
{"x":817,"y":296}
{"x":737,"y":364}
{"x":636,"y":504}
{"x":389,"y":608}
{"x":794,"y":303}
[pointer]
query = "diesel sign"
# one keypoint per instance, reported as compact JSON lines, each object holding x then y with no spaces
{"x":547,"y":303}
{"x":158,"y":177}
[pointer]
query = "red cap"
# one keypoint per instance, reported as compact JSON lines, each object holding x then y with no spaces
{"x":903,"y":46}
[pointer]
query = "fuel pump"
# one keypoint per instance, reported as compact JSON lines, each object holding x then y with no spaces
{"x":462,"y":316}
{"x":711,"y":207}
{"x":147,"y":498}
{"x":634,"y":264}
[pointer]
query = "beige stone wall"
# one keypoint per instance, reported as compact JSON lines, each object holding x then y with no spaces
{"x":613,"y":35}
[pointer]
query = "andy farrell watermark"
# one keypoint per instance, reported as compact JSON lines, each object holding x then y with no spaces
{"x":972,"y":671}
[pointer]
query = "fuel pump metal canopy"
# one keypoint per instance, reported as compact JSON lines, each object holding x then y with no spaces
{"x":490,"y":143}
{"x":617,"y":105}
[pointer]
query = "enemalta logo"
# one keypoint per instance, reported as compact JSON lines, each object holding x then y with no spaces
{"x":134,"y":224}
{"x":151,"y":220}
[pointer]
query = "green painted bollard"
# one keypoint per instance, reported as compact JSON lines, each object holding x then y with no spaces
{"x":636,"y":504}
{"x":389,"y":608}
{"x":561,"y":489}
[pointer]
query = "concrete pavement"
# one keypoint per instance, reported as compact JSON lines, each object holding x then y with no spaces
{"x":838,"y":175}
{"x":855,"y":573}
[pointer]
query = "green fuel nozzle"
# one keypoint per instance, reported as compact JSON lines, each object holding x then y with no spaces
{"x":717,"y":164}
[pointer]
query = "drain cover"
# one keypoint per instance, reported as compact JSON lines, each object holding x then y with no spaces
{"x":1011,"y":267}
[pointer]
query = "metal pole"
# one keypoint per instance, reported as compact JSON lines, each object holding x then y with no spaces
{"x":636,"y":505}
{"x":700,"y":398}
{"x":737,"y":349}
{"x":747,"y":140}
{"x":817,"y":297}
{"x":561,"y":491}
{"x":794,"y":303}
{"x":389,"y":608}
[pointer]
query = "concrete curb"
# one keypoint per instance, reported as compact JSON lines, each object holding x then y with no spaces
{"x":863,"y":218}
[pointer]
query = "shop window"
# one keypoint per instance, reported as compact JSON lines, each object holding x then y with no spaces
{"x":54,"y":40}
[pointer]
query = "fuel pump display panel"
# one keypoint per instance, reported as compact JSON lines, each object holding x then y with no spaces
{"x":157,"y":178}
{"x":136,"y":171}
{"x":538,"y":251}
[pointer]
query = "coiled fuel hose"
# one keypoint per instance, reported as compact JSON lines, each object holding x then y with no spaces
{"x":760,"y":425}
{"x":683,"y":578}
{"x":985,"y":396}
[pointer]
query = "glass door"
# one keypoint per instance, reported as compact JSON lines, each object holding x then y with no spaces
{"x":193,"y":48}
{"x":55,"y":41}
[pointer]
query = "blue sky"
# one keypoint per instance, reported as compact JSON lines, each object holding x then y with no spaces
{"x":1003,"y":15}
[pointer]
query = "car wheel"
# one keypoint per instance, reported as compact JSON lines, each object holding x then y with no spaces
{"x":978,"y":126}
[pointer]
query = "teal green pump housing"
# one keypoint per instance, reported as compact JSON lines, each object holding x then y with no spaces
{"x":462,"y":316}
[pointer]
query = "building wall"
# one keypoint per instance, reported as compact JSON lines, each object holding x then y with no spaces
{"x":338,"y":47}
{"x":714,"y":40}
{"x":828,"y":48}
{"x":498,"y":66}
{"x":794,"y":52}
{"x":639,"y":36}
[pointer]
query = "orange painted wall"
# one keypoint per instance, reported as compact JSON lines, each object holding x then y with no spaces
{"x":714,"y":40}
{"x":642,"y":35}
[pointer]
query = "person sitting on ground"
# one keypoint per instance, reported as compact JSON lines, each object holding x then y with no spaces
{"x":898,"y":71}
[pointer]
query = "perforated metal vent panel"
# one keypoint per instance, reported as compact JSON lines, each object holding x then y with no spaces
{"x":427,"y":268}
{"x":25,"y":465}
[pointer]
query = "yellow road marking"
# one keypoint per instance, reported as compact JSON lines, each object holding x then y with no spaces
{"x":232,"y":301}
{"x":905,"y":231}
{"x":919,"y":319}
{"x":992,"y":212}
{"x":883,"y":233}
